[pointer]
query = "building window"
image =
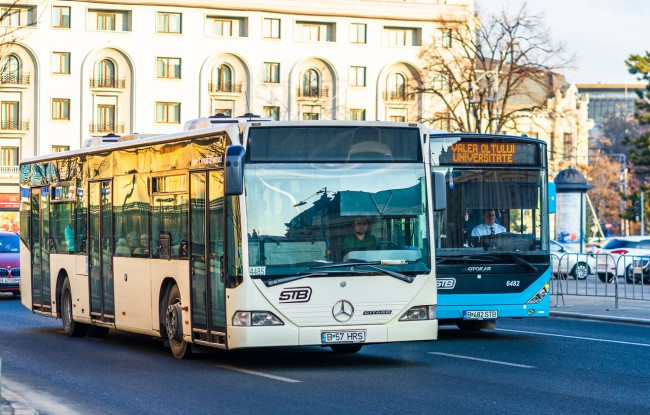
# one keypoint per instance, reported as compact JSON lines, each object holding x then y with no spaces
{"x":271,"y":29}
{"x":106,"y":75}
{"x":310,"y":116}
{"x":397,"y":118}
{"x":568,"y":144}
{"x":441,"y":82}
{"x":60,"y":149}
{"x":60,"y":109}
{"x":310,"y":83}
{"x":402,"y":36}
{"x":225,"y":107}
{"x":443,"y":38}
{"x":9,"y":156}
{"x":272,"y":112}
{"x":61,"y":17}
{"x":315,"y":31}
{"x":10,"y":115}
{"x":272,"y":72}
{"x":358,"y":33}
{"x":168,"y":68}
{"x":358,"y":115}
{"x":168,"y":112}
{"x":224,"y":78}
{"x":61,"y":63}
{"x":168,"y":23}
{"x":397,"y":87}
{"x":223,"y":28}
{"x":10,"y":16}
{"x":106,"y":21}
{"x":11,"y":70}
{"x":105,"y":119}
{"x":357,"y":76}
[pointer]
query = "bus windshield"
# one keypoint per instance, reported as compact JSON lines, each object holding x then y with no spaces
{"x":492,"y":212}
{"x":325,"y":218}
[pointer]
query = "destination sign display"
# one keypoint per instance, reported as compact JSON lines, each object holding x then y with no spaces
{"x":490,"y":152}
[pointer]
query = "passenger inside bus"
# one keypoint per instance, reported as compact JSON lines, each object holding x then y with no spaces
{"x":361,"y":239}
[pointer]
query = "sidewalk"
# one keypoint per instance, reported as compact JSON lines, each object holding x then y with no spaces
{"x":600,"y":309}
{"x":567,"y":306}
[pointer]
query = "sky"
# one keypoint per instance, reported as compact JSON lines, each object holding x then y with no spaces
{"x":599,"y":34}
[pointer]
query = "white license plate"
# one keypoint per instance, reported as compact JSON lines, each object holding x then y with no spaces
{"x":356,"y":336}
{"x":9,"y":280}
{"x":479,"y":314}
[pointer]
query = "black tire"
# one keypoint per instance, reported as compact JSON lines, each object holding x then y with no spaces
{"x":609,"y":278}
{"x":70,"y":327}
{"x":580,"y":271}
{"x":346,"y":348}
{"x":174,"y":324}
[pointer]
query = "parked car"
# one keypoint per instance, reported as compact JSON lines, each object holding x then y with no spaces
{"x":623,"y":256}
{"x":9,"y":262}
{"x":569,"y":260}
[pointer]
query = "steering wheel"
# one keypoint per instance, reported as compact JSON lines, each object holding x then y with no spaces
{"x":386,"y":245}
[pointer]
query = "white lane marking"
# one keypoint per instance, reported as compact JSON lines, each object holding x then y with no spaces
{"x":577,"y":337}
{"x":264,"y":375}
{"x":483,"y":360}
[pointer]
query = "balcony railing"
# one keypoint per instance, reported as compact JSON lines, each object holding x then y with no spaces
{"x":15,"y":79}
{"x":107,"y":127}
{"x":397,"y":96}
{"x":108,"y":82}
{"x":14,"y":125}
{"x":8,"y":171}
{"x":225,"y":87}
{"x":314,"y":93}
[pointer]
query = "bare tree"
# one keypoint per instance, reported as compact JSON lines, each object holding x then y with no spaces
{"x":487,"y":76}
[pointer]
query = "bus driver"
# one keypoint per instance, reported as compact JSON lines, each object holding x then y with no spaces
{"x":488,"y":227}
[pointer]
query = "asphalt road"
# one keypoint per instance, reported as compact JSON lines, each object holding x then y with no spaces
{"x":550,"y":366}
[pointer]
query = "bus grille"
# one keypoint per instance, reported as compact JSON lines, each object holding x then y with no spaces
{"x":4,"y":272}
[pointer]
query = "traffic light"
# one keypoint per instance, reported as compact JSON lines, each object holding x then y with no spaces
{"x":637,"y":210}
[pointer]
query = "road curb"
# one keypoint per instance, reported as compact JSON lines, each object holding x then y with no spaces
{"x":14,"y":404}
{"x":599,"y":317}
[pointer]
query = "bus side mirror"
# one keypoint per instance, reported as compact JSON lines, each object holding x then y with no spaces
{"x":439,"y":192}
{"x":551,"y":197}
{"x":235,"y":170}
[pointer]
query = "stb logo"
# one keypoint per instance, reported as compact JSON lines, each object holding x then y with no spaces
{"x":446,"y":283}
{"x":295,"y":295}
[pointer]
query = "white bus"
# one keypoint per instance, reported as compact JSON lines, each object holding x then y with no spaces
{"x":231,"y":235}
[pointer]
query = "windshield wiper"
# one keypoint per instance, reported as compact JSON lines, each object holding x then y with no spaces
{"x":519,"y":259}
{"x":371,"y":265}
{"x":290,"y":278}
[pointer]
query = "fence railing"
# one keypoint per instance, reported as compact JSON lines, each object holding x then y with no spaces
{"x":601,"y":275}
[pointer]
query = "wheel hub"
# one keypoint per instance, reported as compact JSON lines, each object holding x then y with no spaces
{"x":173,"y":321}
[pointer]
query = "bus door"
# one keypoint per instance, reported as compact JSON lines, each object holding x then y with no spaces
{"x":100,"y":235}
{"x":41,"y":245}
{"x":206,"y":259}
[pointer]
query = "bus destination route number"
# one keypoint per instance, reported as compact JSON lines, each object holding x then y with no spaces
{"x":357,"y":336}
{"x":479,"y":314}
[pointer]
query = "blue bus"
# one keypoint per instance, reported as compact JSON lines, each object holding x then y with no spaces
{"x":492,"y":246}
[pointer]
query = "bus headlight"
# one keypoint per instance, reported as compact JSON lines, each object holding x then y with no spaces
{"x":256,"y":318}
{"x":420,"y":312}
{"x":539,"y":296}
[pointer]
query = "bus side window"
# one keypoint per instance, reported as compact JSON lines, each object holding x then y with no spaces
{"x":165,"y":245}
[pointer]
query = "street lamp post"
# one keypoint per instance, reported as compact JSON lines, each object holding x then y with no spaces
{"x":492,"y":98}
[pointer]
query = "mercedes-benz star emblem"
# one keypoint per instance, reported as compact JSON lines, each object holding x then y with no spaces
{"x":343,"y":311}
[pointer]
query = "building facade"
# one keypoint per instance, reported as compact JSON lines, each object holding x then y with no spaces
{"x":72,"y":70}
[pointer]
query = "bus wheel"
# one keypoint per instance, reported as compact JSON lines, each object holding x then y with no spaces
{"x":70,"y":327}
{"x":346,"y":348}
{"x":174,"y":324}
